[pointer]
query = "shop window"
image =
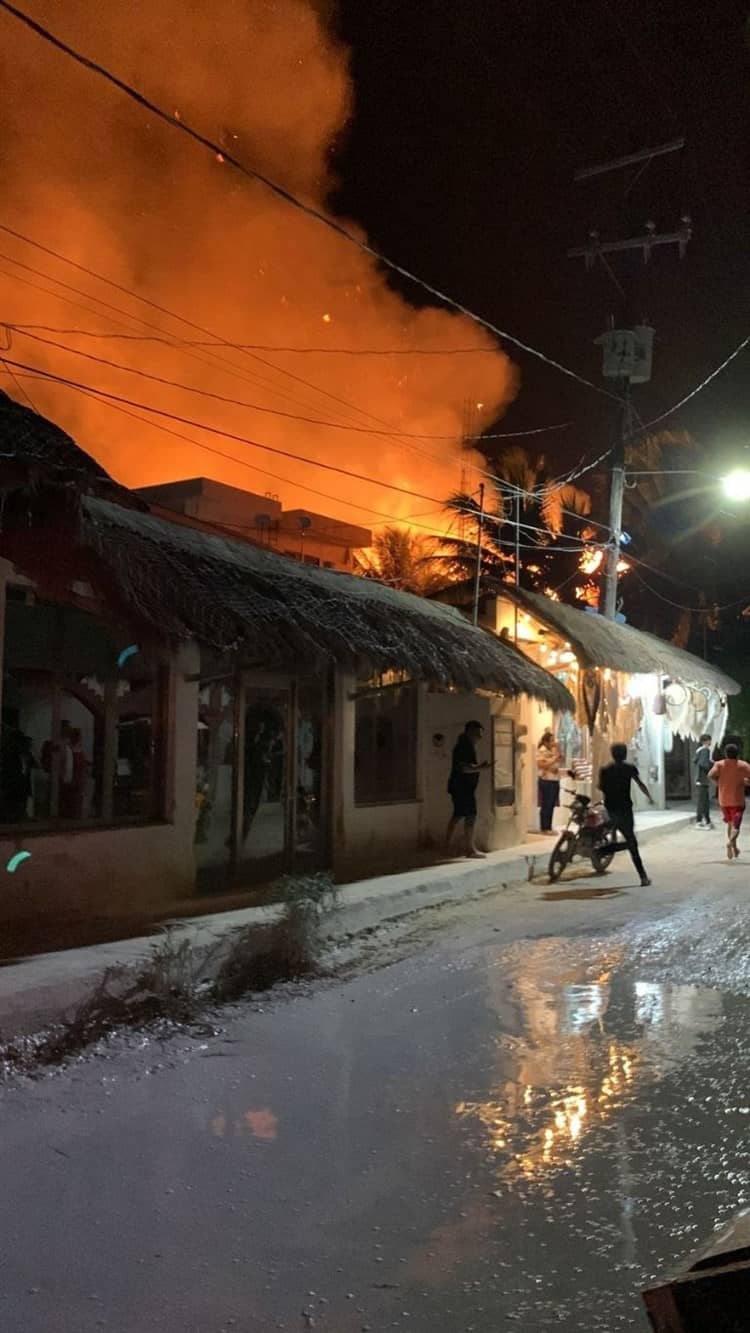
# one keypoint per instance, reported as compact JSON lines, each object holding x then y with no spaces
{"x":82,"y":733}
{"x":385,"y":747}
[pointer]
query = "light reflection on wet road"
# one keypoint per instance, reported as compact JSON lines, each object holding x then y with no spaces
{"x":476,"y":1138}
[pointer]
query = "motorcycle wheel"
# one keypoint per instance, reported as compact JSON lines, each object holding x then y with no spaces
{"x":562,"y":853}
{"x":603,"y":852}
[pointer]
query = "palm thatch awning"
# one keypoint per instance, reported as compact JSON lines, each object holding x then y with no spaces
{"x":605,"y":643}
{"x":34,"y":449}
{"x":235,"y":596}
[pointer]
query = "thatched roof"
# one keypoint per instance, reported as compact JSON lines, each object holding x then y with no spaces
{"x":45,"y":452}
{"x":233,"y":595}
{"x":604,"y":643}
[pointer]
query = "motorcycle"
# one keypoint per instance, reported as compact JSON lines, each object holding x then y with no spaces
{"x":587,"y":833}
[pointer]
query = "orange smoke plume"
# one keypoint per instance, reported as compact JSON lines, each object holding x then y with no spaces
{"x":91,"y":175}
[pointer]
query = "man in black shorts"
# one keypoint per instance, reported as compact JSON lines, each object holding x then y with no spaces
{"x":614,"y":783}
{"x":462,"y":786}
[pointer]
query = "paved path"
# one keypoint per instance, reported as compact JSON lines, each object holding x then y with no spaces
{"x":514,"y":1124}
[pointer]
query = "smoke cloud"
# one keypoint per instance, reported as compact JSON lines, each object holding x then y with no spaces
{"x":88,"y":173}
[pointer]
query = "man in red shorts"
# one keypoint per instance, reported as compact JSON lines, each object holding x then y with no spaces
{"x":731,"y":773}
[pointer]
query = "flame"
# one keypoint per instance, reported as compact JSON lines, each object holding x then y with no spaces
{"x":94,"y":177}
{"x":590,"y":561}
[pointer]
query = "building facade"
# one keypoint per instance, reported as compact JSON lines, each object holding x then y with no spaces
{"x":188,"y":711}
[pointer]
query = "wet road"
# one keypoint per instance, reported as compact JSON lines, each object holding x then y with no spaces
{"x":486,"y":1134}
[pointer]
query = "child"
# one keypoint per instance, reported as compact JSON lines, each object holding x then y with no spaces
{"x":731,"y":773}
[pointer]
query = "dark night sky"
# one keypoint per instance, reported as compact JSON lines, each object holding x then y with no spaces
{"x":471,"y":117}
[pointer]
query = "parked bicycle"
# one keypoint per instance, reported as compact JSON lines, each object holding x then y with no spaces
{"x":587,"y":833}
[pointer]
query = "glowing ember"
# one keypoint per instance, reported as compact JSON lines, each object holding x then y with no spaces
{"x":590,"y":561}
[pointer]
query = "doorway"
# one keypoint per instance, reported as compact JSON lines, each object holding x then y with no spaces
{"x":261,"y":800}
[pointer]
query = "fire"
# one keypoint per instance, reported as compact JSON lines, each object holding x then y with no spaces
{"x":155,"y":216}
{"x":590,"y":561}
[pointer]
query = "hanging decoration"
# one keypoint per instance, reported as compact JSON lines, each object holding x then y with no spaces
{"x":591,"y":691}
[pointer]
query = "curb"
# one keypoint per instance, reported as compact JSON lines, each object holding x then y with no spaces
{"x":46,"y":989}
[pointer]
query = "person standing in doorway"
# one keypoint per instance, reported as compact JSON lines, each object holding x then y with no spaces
{"x":703,"y":764}
{"x":615,"y":781}
{"x":462,"y":786}
{"x":732,"y":775}
{"x":548,"y":759}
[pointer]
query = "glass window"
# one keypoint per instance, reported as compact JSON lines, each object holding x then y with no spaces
{"x":82,"y":731}
{"x":214,"y":798}
{"x":385,"y":745}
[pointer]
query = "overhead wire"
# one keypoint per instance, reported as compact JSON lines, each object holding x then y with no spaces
{"x":706,"y":609}
{"x":699,"y":388}
{"x":179,"y":343}
{"x":238,"y":402}
{"x":209,"y":357}
{"x":242,"y":462}
{"x":309,"y":210}
{"x":276,"y":347}
{"x":115,"y":399}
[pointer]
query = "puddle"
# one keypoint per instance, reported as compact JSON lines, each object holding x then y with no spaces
{"x":614,"y":1131}
{"x":479,"y":1137}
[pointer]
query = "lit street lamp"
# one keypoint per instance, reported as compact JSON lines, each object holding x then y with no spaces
{"x":736,"y":484}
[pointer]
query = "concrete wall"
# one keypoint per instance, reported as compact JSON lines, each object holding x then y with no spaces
{"x":103,"y":871}
{"x":370,"y":839}
{"x":366,"y":838}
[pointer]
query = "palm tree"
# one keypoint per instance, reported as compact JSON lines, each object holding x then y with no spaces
{"x":546,"y":509}
{"x":403,"y":559}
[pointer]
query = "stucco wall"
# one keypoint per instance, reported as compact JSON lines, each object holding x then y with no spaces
{"x":107,"y":870}
{"x":367,"y":838}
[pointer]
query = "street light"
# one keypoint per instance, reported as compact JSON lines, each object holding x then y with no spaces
{"x":736,"y":484}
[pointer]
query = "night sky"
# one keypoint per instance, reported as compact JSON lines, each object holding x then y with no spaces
{"x":470,"y":121}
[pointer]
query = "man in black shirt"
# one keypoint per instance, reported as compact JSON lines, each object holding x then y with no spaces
{"x":614,"y":783}
{"x":462,"y":786}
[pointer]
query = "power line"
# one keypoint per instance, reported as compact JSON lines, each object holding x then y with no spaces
{"x":309,"y":210}
{"x":254,"y":407}
{"x":241,"y":462}
{"x":662,"y":417}
{"x":177,"y":343}
{"x":111,"y":399}
{"x":705,"y":609}
{"x":181,"y":344}
{"x":216,"y":430}
{"x":276,"y":347}
{"x":698,"y":388}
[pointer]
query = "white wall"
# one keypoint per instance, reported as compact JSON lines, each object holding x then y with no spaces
{"x":366,"y":838}
{"x":446,"y":714}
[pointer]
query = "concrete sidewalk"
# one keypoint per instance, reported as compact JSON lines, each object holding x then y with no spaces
{"x":44,"y":989}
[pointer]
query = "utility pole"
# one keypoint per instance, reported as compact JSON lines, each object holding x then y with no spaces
{"x":627,"y":351}
{"x":478,"y":571}
{"x":468,"y":429}
{"x":616,"y":494}
{"x":518,"y":562}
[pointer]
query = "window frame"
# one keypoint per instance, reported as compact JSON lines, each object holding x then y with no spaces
{"x":60,"y":684}
{"x":379,"y":687}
